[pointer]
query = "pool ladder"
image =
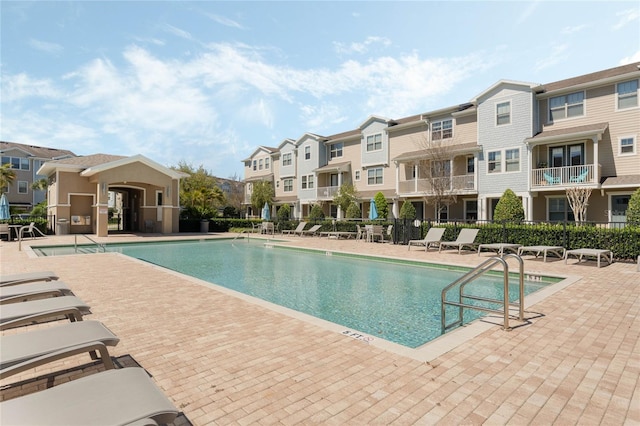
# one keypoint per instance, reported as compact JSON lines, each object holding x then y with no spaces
{"x":98,"y":245}
{"x":481,"y":269}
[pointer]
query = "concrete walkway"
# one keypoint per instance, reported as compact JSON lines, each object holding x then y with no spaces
{"x":225,"y":360}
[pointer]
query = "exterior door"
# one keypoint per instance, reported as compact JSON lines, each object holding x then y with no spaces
{"x":619,"y":205}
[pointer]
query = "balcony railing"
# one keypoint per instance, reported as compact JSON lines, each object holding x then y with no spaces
{"x":457,"y":184}
{"x":563,"y":176}
{"x":326,"y":192}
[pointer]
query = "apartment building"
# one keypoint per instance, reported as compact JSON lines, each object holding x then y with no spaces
{"x":25,"y":161}
{"x":456,"y":162}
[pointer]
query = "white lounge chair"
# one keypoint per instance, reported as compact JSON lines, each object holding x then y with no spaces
{"x":27,"y":277}
{"x":34,"y":290}
{"x":24,"y":351}
{"x":544,"y":250}
{"x":587,"y":253}
{"x":311,"y":231}
{"x":499,"y":248}
{"x":298,"y":229}
{"x":466,"y":238}
{"x":18,"y":314}
{"x":113,"y":397}
{"x":433,"y":238}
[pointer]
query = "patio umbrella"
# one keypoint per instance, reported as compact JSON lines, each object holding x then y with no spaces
{"x":4,"y":208}
{"x":266,"y":214}
{"x":373,"y":210}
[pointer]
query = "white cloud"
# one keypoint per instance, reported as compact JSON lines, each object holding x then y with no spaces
{"x":44,"y":46}
{"x":222,"y":20}
{"x":626,"y":17}
{"x":527,"y":12}
{"x":20,"y":86}
{"x":177,"y":32}
{"x":630,"y":59}
{"x":573,"y":29}
{"x":362,"y":47}
{"x":317,"y":117}
{"x":556,"y":55}
{"x":258,"y":111}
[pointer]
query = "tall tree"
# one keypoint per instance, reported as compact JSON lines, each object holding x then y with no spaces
{"x":435,"y":170}
{"x":199,"y":193}
{"x":578,"y":197}
{"x":381,"y":205}
{"x":7,"y":176}
{"x":262,"y":193}
{"x":346,"y":195}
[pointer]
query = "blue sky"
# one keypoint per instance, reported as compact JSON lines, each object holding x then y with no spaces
{"x":208,"y":82}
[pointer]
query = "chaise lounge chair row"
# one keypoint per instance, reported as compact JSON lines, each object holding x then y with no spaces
{"x":113,"y":396}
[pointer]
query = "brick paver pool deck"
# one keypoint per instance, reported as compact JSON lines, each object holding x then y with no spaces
{"x":223,"y":359}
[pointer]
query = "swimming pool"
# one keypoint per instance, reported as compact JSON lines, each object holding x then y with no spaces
{"x":395,"y":301}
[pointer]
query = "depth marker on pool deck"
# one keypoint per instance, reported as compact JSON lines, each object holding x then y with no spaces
{"x":358,"y":336}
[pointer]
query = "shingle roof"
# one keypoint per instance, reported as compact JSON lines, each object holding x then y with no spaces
{"x":36,"y":151}
{"x":588,"y":128}
{"x":86,"y":161}
{"x":594,"y":76}
{"x":462,"y":148}
{"x":618,"y":181}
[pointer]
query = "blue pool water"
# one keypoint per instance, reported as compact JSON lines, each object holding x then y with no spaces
{"x":398,"y":302}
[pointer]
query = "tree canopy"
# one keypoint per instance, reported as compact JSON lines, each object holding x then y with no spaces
{"x":381,"y":205}
{"x":199,"y":193}
{"x":509,"y":207}
{"x":262,"y":193}
{"x":346,"y":195}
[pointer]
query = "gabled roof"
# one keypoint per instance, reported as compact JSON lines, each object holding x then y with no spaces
{"x":286,"y":142}
{"x":503,"y":83}
{"x":311,"y":136}
{"x":268,"y":149}
{"x":90,"y":165}
{"x":374,"y":118}
{"x":40,"y":152}
{"x":594,"y":78}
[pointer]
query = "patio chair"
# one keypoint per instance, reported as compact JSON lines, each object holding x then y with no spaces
{"x":466,"y":238}
{"x":30,"y":229}
{"x":311,"y":231}
{"x":5,"y":230}
{"x":12,"y":279}
{"x":115,"y":397}
{"x":35,"y":290}
{"x":551,"y":180}
{"x":581,"y":177}
{"x":24,"y":351}
{"x":360,"y":233}
{"x":433,"y":238}
{"x":390,"y":233}
{"x":298,"y":229}
{"x":19,"y":314}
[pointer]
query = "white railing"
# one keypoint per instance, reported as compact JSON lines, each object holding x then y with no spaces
{"x":459,"y":184}
{"x":326,"y":192}
{"x":563,"y":176}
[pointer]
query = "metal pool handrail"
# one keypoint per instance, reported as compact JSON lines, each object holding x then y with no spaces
{"x":481,"y":269}
{"x":99,"y":245}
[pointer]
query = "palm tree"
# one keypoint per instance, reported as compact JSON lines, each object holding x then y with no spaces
{"x":7,"y":176}
{"x":40,"y":185}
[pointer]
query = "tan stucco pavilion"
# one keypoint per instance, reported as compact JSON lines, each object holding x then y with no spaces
{"x":78,"y":193}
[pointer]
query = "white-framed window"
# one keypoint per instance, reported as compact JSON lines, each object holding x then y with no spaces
{"x":374,"y":142}
{"x":627,"y":145}
{"x":471,"y":165}
{"x":307,"y":153}
{"x":494,"y":162}
{"x":566,"y":106}
{"x":303,"y":182}
{"x":267,"y":164}
{"x":310,"y":181}
{"x":18,"y":163}
{"x":255,"y":165}
{"x":512,"y":160}
{"x":442,"y":129}
{"x":356,"y":176}
{"x":249,"y":188}
{"x":503,"y":113}
{"x":260,"y":164}
{"x":23,"y":187}
{"x":335,"y":150}
{"x":286,"y":159}
{"x":374,"y":176}
{"x":471,"y":209}
{"x":627,"y":94}
{"x":288,"y":185}
{"x":558,"y":209}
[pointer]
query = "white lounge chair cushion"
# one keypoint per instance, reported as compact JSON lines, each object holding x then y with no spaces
{"x":26,"y":277}
{"x":14,"y":311}
{"x":113,"y":397}
{"x":33,"y":288}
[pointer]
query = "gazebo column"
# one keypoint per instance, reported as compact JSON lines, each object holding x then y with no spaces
{"x":102,"y":210}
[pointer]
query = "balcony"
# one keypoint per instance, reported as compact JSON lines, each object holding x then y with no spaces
{"x":562,"y":177}
{"x":326,"y":192}
{"x":462,"y":184}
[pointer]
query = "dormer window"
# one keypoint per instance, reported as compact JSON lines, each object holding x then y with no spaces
{"x":441,"y":130}
{"x":503,"y":113}
{"x":307,"y":153}
{"x":374,"y":142}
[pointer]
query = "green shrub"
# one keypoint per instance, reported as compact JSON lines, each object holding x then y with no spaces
{"x":284,"y":212}
{"x":353,"y":211}
{"x":381,"y":205}
{"x":316,"y":212}
{"x":633,"y":211}
{"x":509,"y":207}
{"x":407,"y":211}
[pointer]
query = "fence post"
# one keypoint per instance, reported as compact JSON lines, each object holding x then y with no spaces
{"x":565,"y":238}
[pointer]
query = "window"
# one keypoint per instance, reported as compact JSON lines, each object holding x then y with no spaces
{"x":336,"y":150}
{"x":286,"y":159}
{"x":512,"y":160}
{"x":559,"y":210}
{"x":495,"y":162}
{"x":471,"y":165}
{"x":266,"y":163}
{"x":374,"y":176}
{"x":23,"y":186}
{"x":288,"y":185}
{"x":567,"y":155}
{"x":627,"y":94}
{"x":307,"y":153}
{"x":441,"y":130}
{"x":18,"y":163}
{"x":503,"y":113}
{"x":255,"y":165}
{"x":627,"y":146}
{"x":310,"y":181}
{"x":374,"y":142}
{"x":471,"y":209}
{"x":357,"y":175}
{"x":566,"y":106}
{"x":304,"y":182}
{"x":260,"y":164}
{"x":440,"y":168}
